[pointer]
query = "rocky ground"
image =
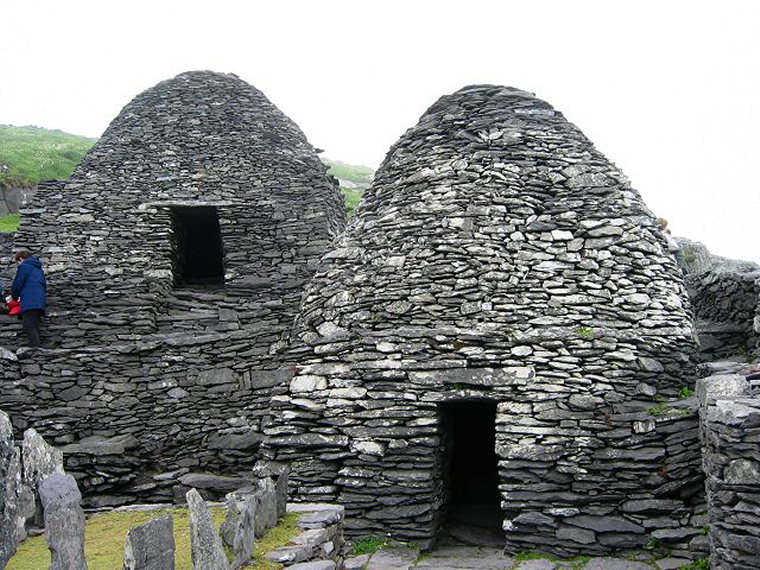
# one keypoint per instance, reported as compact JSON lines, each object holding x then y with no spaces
{"x":485,"y":558}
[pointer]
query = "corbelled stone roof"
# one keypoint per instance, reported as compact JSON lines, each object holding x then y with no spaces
{"x":494,"y":213}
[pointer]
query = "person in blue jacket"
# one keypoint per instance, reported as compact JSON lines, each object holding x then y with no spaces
{"x":29,"y":286}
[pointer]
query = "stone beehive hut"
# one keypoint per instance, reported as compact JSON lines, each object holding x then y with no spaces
{"x":488,"y":333}
{"x":200,"y":183}
{"x":176,"y":256}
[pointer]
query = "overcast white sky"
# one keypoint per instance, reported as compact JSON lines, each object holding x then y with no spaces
{"x":668,"y":90}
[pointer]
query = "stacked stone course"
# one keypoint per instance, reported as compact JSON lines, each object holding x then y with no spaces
{"x":142,"y":375}
{"x":497,"y":256}
{"x":730,"y":431}
{"x":726,"y":305}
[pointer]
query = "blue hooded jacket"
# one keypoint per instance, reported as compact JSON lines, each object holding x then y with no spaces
{"x":29,"y":285}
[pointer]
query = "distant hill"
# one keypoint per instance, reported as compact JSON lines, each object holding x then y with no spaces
{"x":29,"y":155}
{"x":354,"y":180}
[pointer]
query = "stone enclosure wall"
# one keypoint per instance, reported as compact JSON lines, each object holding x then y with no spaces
{"x":730,"y":429}
{"x":726,"y":305}
{"x":178,"y":370}
{"x":498,"y":257}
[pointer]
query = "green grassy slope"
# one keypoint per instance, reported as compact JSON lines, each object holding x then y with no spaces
{"x":31,"y":154}
{"x":354,"y":180}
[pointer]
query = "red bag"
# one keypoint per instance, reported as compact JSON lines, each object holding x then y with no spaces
{"x":14,"y":307}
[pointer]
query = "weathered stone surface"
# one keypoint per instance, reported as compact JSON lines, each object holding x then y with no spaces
{"x":39,"y":460}
{"x":216,"y":483}
{"x":315,"y":565}
{"x":393,"y":559}
{"x":615,"y":564}
{"x":462,"y":557}
{"x":266,"y":505}
{"x":239,"y":527}
{"x":151,"y":546}
{"x":207,"y":549}
{"x":64,"y":522}
{"x":281,"y":489}
{"x":10,"y":478}
{"x":356,"y":562}
{"x":726,"y":303}
{"x":542,"y":564}
{"x":730,"y":423}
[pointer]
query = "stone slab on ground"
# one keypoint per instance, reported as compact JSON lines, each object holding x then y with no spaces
{"x":671,"y":563}
{"x":356,"y":562}
{"x":541,"y":564}
{"x":615,"y":564}
{"x":485,"y":558}
{"x":393,"y":559}
{"x":314,"y":565}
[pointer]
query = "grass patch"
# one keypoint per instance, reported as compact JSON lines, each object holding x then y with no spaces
{"x":685,"y":392}
{"x":10,"y":222}
{"x":29,"y":155}
{"x":352,"y":196}
{"x":585,"y":332}
{"x":369,"y":545}
{"x":662,"y":410}
{"x":701,"y":564}
{"x":275,"y":537}
{"x":354,"y":180}
{"x":106,"y":534}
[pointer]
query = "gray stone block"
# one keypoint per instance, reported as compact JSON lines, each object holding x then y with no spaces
{"x":150,"y":546}
{"x":207,"y":549}
{"x":266,"y":505}
{"x":64,"y":522}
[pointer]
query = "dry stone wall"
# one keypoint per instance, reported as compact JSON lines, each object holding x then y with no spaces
{"x":497,"y":257}
{"x":146,"y":374}
{"x":730,"y":430}
{"x":134,"y":419}
{"x":726,"y":305}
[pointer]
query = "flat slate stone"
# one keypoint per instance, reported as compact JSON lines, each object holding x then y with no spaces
{"x":64,"y":522}
{"x":151,"y":546}
{"x":541,"y":564}
{"x":207,"y":549}
{"x":463,"y":557}
{"x":315,"y":565}
{"x":615,"y":564}
{"x":393,"y":559}
{"x":671,"y":563}
{"x":355,"y":562}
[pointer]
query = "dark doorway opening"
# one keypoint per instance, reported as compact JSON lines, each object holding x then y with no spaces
{"x":472,"y":478}
{"x":197,"y":247}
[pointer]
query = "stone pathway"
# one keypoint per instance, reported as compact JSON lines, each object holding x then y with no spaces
{"x":487,"y":558}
